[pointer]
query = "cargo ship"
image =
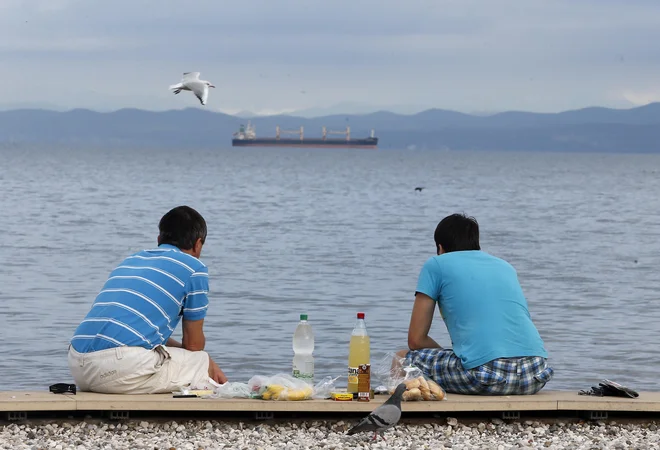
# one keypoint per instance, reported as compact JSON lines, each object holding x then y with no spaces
{"x":246,"y":136}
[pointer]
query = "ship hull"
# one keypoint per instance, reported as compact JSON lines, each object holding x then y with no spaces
{"x":306,"y":143}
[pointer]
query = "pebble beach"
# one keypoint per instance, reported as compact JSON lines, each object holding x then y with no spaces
{"x":328,"y":435}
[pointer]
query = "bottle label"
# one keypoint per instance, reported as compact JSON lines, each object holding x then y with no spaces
{"x":352,"y":375}
{"x":364,"y":382}
{"x":305,"y":373}
{"x":303,"y":376}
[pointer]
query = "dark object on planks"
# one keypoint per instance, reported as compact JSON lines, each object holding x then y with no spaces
{"x":63,"y":388}
{"x":607,"y":388}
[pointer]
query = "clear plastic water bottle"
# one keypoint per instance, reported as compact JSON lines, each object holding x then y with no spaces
{"x":303,"y":347}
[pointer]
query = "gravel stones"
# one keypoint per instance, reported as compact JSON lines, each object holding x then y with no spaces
{"x":196,"y":435}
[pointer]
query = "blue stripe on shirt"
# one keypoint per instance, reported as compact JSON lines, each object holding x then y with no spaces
{"x":143,"y":300}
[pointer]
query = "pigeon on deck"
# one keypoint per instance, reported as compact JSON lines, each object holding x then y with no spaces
{"x":382,"y":418}
{"x":191,"y":82}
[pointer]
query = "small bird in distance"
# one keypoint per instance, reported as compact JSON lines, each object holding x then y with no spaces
{"x":191,"y":82}
{"x":419,"y":189}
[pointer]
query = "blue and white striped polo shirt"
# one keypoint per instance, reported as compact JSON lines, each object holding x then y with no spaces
{"x":143,"y":300}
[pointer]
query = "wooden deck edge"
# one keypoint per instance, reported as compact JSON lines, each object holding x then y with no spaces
{"x":30,"y":401}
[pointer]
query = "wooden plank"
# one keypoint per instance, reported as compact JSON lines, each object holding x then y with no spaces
{"x":543,"y":401}
{"x":646,"y":402}
{"x":36,"y":401}
{"x":165,"y":402}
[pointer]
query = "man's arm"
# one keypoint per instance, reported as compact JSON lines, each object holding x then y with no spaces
{"x":173,"y":343}
{"x":420,"y":323}
{"x":215,"y":372}
{"x":193,"y":335}
{"x":194,"y":309}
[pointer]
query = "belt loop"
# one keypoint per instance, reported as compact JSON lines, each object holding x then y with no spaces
{"x":82,"y":359}
{"x":118,"y":352}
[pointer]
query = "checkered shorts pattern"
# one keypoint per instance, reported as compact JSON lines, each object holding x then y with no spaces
{"x":503,"y":376}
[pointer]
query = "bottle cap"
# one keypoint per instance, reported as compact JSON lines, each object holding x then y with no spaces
{"x":360,"y":315}
{"x":303,"y":317}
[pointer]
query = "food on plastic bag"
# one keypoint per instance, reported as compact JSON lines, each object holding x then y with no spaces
{"x":285,"y":387}
{"x":418,"y":386}
{"x":412,"y":395}
{"x":421,"y":388}
{"x":280,"y":392}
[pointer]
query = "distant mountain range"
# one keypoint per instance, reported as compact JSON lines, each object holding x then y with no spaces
{"x":589,"y":129}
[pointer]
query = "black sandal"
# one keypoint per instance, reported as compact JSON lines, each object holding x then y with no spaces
{"x":607,"y":388}
{"x":63,"y":388}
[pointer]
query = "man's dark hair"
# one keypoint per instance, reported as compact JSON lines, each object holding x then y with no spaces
{"x":457,"y":232}
{"x":181,"y":227}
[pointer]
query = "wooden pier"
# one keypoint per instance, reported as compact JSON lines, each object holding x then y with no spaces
{"x":21,"y":405}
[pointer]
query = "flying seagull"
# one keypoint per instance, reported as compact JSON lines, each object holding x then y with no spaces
{"x":384,"y":417}
{"x":191,"y":82}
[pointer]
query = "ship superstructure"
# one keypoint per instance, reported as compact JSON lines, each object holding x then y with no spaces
{"x":246,"y":136}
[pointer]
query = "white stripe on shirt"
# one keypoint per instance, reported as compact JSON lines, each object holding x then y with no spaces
{"x":137,"y":313}
{"x":151,"y":283}
{"x":94,"y":336}
{"x":201,"y":308}
{"x":157,"y":270}
{"x":121,"y":324}
{"x":197,"y":293}
{"x":142,"y":296}
{"x":163,"y":257}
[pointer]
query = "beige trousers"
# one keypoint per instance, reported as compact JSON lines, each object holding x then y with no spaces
{"x":137,"y":370}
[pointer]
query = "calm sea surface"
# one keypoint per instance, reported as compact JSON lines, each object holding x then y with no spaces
{"x":331,"y":233}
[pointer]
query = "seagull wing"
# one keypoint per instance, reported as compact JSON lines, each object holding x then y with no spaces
{"x":201,"y":90}
{"x":190,"y":76}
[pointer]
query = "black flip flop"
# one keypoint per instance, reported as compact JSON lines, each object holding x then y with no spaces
{"x":607,"y":388}
{"x":63,"y":388}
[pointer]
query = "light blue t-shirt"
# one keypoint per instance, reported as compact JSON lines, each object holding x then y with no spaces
{"x":144,"y":299}
{"x":483,"y":306}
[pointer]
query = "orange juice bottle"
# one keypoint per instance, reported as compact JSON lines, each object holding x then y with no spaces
{"x":358,"y":352}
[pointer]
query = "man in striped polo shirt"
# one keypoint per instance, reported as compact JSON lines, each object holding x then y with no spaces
{"x":123,"y":346}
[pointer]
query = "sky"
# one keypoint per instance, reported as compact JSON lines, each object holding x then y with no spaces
{"x":273,"y":56}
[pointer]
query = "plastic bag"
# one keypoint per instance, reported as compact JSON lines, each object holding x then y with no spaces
{"x":393,"y":370}
{"x":324,"y":388}
{"x":232,"y":390}
{"x":279,"y":387}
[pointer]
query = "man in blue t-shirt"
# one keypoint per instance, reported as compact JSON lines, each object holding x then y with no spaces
{"x":124,"y":344}
{"x":496,"y":347}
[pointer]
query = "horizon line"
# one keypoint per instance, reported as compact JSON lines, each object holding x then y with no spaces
{"x":293,"y":115}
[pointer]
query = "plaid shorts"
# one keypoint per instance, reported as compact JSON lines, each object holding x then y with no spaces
{"x":503,"y":376}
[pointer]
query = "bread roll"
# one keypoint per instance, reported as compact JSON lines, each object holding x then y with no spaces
{"x":426,"y":393}
{"x":412,"y":384}
{"x":436,"y":390}
{"x":422,"y":383}
{"x":412,"y":394}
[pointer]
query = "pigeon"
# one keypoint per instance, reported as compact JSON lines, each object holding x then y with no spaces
{"x":191,"y":82}
{"x":382,"y":418}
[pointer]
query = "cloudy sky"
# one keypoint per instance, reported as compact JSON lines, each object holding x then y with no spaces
{"x":283,"y":55}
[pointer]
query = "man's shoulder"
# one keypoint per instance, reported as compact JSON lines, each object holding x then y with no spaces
{"x":175,"y":256}
{"x":472,"y":257}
